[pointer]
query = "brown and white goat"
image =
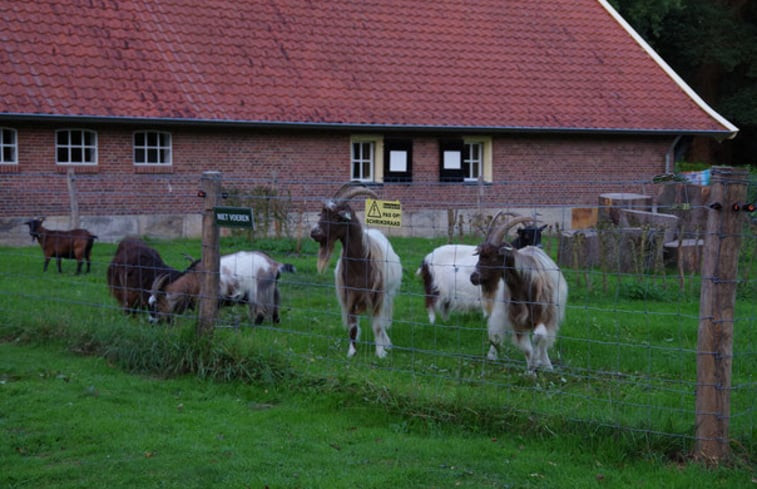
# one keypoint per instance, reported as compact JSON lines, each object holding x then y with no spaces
{"x":74,"y":243}
{"x":525,"y":292}
{"x":368,"y":273}
{"x":132,"y":271}
{"x":249,"y":277}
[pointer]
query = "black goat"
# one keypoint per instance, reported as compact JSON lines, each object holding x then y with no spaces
{"x":74,"y":243}
{"x":528,"y":236}
{"x":134,"y":268}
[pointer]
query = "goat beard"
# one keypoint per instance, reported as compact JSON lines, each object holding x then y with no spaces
{"x":324,"y":255}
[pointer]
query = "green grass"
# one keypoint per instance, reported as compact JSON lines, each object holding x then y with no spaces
{"x":626,"y":356}
{"x":79,"y":422}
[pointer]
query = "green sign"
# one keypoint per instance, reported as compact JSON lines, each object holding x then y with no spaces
{"x":234,"y":217}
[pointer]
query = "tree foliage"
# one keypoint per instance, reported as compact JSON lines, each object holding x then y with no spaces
{"x":647,"y":16}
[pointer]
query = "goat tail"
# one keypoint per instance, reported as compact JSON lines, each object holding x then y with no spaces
{"x":90,"y":244}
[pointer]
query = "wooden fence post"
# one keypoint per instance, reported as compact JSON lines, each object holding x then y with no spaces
{"x":716,"y":312}
{"x":210,"y":189}
{"x":73,"y":198}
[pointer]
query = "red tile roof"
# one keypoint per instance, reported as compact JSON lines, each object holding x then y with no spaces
{"x":517,"y":64}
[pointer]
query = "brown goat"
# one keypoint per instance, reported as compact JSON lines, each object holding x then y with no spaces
{"x":75,"y":244}
{"x":171,"y":296}
{"x":131,"y":272}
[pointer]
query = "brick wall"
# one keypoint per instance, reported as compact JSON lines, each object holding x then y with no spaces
{"x":567,"y":170}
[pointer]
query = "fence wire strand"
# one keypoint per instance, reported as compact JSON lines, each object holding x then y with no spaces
{"x":625,"y":356}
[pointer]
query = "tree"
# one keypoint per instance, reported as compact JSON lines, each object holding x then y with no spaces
{"x":712,"y":44}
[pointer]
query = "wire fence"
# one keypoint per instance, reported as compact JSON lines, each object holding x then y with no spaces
{"x":626,"y":355}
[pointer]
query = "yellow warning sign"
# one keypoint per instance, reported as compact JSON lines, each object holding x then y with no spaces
{"x":383,"y":213}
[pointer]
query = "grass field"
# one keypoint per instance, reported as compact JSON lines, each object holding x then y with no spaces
{"x":79,"y":422}
{"x":626,"y":356}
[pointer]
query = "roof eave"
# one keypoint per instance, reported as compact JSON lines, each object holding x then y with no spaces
{"x":360,"y":127}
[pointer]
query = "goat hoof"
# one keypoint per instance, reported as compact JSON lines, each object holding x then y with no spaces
{"x":351,"y":351}
{"x":381,"y":352}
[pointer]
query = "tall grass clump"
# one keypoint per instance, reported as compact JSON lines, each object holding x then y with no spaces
{"x":164,"y":352}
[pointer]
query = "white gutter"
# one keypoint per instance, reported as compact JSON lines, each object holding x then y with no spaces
{"x":733,"y":130}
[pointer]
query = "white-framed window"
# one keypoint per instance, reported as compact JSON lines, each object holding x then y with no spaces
{"x":8,"y":146}
{"x":481,"y":158}
{"x":75,"y":147}
{"x":467,"y":159}
{"x":473,"y":160}
{"x":152,"y":148}
{"x":363,"y":158}
{"x":367,"y":158}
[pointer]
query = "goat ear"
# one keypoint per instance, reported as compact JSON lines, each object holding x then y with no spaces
{"x":505,"y":249}
{"x":345,"y":214}
{"x":543,"y":227}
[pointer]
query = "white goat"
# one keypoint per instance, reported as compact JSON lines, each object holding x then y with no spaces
{"x":368,"y":273}
{"x":245,"y":277}
{"x":447,"y":269}
{"x":446,"y":275}
{"x":252,"y":277}
{"x":527,"y":294}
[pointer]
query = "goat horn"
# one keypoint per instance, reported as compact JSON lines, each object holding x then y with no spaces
{"x":493,"y":222}
{"x":159,"y":283}
{"x":500,"y":231}
{"x":351,"y":190}
{"x":346,"y":187}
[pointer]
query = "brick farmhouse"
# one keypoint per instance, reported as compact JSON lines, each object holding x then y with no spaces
{"x":461,"y":103}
